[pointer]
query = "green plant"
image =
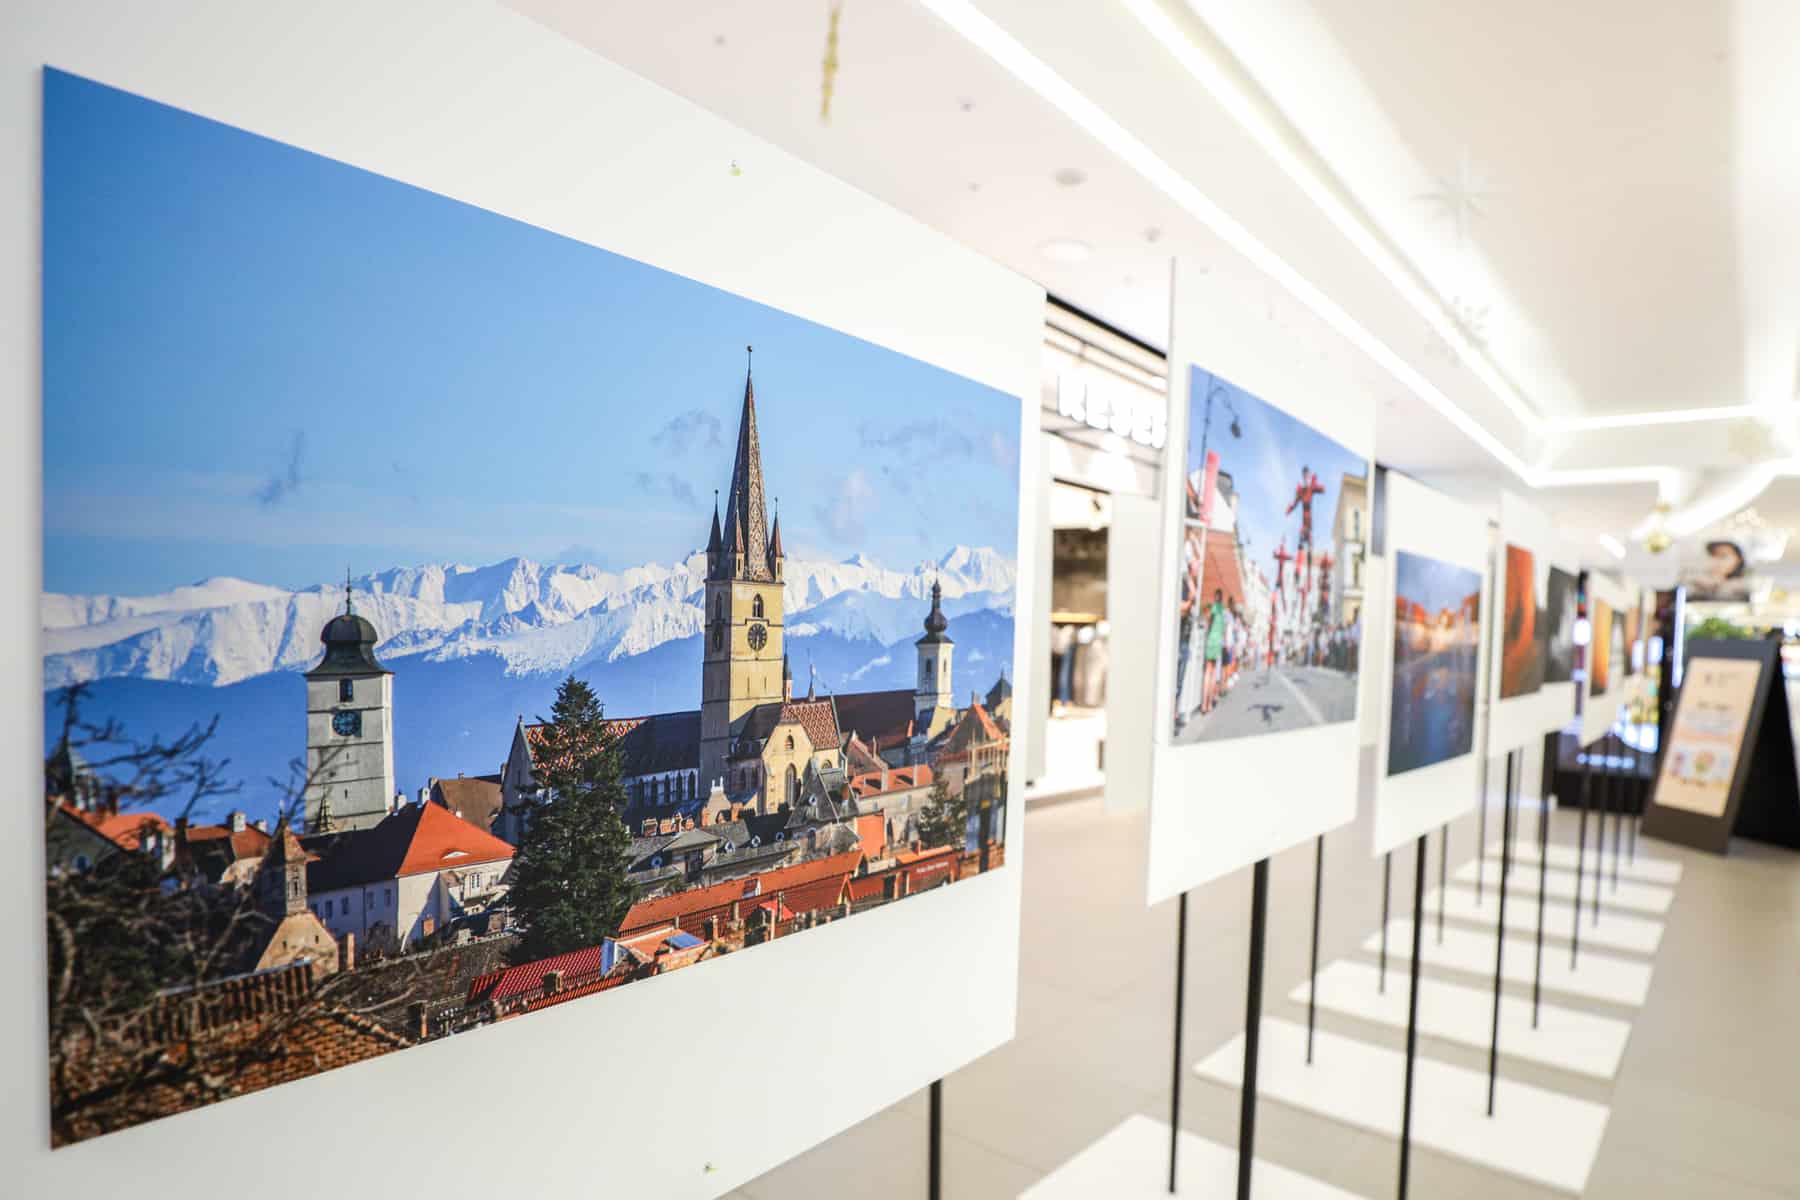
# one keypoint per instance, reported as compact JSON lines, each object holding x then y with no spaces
{"x":1719,"y":629}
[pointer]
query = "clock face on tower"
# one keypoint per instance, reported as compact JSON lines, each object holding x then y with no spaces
{"x":347,"y":724}
{"x":759,"y":637}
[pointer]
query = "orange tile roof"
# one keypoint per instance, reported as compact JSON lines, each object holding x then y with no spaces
{"x":529,"y":977}
{"x":664,"y":910}
{"x":820,"y":893}
{"x":416,"y":839}
{"x":910,"y":857}
{"x":871,"y":830}
{"x":443,"y":839}
{"x":124,"y":830}
{"x":248,"y":842}
{"x":898,"y":779}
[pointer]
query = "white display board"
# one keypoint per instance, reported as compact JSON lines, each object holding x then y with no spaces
{"x":1436,"y":558}
{"x":1217,"y":805}
{"x":686,"y":1085}
{"x":1598,"y":712}
{"x":1544,"y":704}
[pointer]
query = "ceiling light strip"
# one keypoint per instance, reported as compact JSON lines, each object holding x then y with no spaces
{"x":1006,"y":50}
{"x":1278,"y":142}
{"x":983,"y":33}
{"x":1673,"y":416}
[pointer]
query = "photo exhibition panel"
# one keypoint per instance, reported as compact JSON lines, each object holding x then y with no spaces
{"x":1265,"y":525}
{"x":1609,"y":601}
{"x":655,"y":721}
{"x":1430,"y":637}
{"x":1532,"y":686}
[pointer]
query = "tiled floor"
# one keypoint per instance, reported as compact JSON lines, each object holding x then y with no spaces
{"x":1706,"y":1103}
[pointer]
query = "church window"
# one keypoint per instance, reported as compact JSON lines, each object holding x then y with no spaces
{"x":718,"y":609}
{"x":793,"y":780}
{"x":790,"y":744}
{"x":756,"y":607}
{"x":346,"y":690}
{"x":718,"y":637}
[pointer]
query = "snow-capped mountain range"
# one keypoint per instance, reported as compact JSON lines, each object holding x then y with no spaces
{"x":536,"y":618}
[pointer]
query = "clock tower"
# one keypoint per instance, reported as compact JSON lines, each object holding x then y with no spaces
{"x":349,"y":729}
{"x":743,"y":663}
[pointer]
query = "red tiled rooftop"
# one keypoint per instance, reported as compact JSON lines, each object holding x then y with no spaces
{"x":670,"y":909}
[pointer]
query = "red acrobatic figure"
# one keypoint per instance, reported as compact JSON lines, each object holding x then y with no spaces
{"x":1303,"y":500}
{"x":1282,"y":558}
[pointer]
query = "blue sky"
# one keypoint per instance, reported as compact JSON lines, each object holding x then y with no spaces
{"x":260,"y":362}
{"x":1264,"y":463}
{"x":1436,"y":585}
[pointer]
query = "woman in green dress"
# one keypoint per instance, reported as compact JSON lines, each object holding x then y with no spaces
{"x":1215,"y":644}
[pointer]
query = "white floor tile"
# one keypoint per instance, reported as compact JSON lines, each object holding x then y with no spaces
{"x":1597,"y":976}
{"x":1615,"y":930}
{"x":1637,"y":897}
{"x":1535,"y":1134}
{"x":1133,"y":1161}
{"x":1565,"y":1039}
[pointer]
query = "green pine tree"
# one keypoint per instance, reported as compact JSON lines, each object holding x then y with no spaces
{"x":570,"y":888}
{"x":945,"y":820}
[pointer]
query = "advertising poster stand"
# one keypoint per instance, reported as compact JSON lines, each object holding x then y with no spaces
{"x":1759,"y":802}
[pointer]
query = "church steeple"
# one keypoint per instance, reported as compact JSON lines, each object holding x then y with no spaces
{"x":746,"y":517}
{"x":776,"y":554}
{"x":715,"y":545}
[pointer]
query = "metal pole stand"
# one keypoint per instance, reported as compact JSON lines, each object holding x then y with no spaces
{"x":1259,"y":931}
{"x":935,"y":1183}
{"x":1500,"y":932}
{"x":1587,"y":795}
{"x":1412,"y":1018}
{"x":1537,"y":978}
{"x":1312,"y":978}
{"x":1180,"y":1001}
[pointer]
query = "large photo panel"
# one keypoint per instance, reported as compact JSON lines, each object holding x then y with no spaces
{"x":1266,"y":527}
{"x":1430,"y":636}
{"x":1606,"y":690}
{"x":1533,"y":692}
{"x":454,"y":631}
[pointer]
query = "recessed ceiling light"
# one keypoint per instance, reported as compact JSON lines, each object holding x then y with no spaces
{"x":1153,"y":235}
{"x":1070,"y":176}
{"x":1066,"y":250}
{"x":966,"y":104}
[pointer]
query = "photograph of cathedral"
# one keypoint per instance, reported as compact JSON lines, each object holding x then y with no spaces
{"x":445,"y":620}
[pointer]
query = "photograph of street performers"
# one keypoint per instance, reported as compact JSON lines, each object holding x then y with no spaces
{"x":1273,"y":534}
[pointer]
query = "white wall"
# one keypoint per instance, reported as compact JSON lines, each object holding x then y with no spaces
{"x":479,"y":104}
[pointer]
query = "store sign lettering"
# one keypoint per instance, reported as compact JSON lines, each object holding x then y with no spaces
{"x":1111,"y":408}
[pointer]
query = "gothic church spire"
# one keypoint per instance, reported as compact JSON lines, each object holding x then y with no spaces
{"x":746,"y":517}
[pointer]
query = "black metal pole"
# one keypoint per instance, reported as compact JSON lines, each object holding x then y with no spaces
{"x":1180,"y":1001}
{"x":1443,"y":876}
{"x":1412,"y":1018}
{"x":935,"y":1185}
{"x":1619,"y":790}
{"x":1537,"y":977}
{"x":1312,"y":985}
{"x":1387,"y":872}
{"x":1637,"y":807}
{"x":1580,"y":857}
{"x":1259,"y":928}
{"x":1500,"y":938}
{"x":1600,"y":836}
